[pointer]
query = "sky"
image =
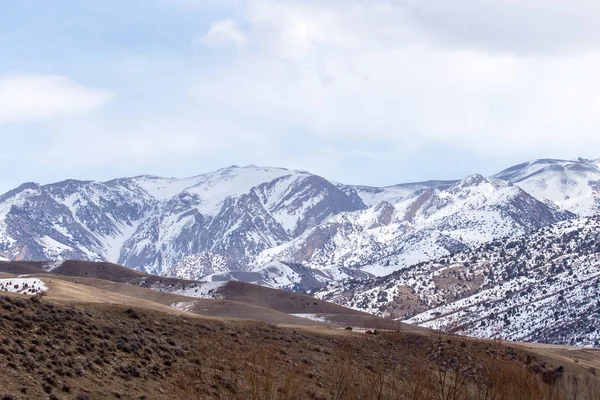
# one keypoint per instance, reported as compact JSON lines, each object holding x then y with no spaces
{"x":374,"y":92}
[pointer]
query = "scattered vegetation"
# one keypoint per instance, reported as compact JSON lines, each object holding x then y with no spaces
{"x":97,"y":352}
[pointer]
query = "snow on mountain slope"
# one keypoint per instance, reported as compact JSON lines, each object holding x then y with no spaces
{"x":152,"y":224}
{"x":213,"y":188}
{"x":240,"y":219}
{"x":543,"y":286}
{"x":70,"y":219}
{"x":573,"y":185}
{"x":201,"y":265}
{"x":372,"y":196}
{"x":236,"y":213}
{"x":295,"y":277}
{"x":161,"y":188}
{"x":16,"y":198}
{"x":274,"y":274}
{"x":437,"y":222}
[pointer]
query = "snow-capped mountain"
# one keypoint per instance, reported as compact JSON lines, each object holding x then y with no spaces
{"x":70,"y":219}
{"x":434,"y":223}
{"x":284,"y":228}
{"x":152,"y":224}
{"x":573,"y":185}
{"x":543,"y":286}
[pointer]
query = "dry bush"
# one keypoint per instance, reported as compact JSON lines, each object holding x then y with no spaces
{"x":506,"y":382}
{"x":191,"y":359}
{"x":260,"y":375}
{"x":343,"y":377}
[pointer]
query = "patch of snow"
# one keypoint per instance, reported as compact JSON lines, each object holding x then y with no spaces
{"x":164,"y":188}
{"x":184,"y":306}
{"x":29,"y":286}
{"x":205,"y":290}
{"x":50,"y":267}
{"x":393,"y":194}
{"x":216,"y":187}
{"x":313,"y":317}
{"x":54,"y":248}
{"x":276,"y":274}
{"x":114,"y":244}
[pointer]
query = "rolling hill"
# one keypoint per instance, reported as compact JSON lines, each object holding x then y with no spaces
{"x":112,"y":283}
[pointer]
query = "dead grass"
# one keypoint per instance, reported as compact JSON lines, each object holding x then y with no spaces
{"x":110,"y":351}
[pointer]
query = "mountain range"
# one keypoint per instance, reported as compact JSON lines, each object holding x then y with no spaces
{"x":283,"y":228}
{"x":542,"y":287}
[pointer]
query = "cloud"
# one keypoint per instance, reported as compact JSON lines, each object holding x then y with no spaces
{"x":345,"y":88}
{"x":223,"y":33}
{"x":380,"y":70}
{"x":33,"y":97}
{"x":513,"y":26}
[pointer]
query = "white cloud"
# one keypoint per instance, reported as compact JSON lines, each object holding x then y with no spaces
{"x":223,"y":33}
{"x":33,"y":97}
{"x":515,"y":26}
{"x":375,"y":69}
{"x":346,"y":88}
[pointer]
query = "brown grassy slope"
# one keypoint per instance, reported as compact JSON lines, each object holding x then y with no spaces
{"x":287,"y":302}
{"x":69,"y":292}
{"x":87,"y":269}
{"x":102,"y":275}
{"x":295,"y":303}
{"x":108,"y":351}
{"x":278,"y":300}
{"x":99,"y":270}
{"x":21,"y":267}
{"x":584,"y":356}
{"x":77,"y":289}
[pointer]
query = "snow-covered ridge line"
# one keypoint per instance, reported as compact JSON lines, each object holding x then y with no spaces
{"x":239,"y":222}
{"x":152,"y":223}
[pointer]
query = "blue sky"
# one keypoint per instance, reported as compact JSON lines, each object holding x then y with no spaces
{"x":359,"y":91}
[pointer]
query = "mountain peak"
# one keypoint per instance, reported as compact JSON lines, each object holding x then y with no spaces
{"x":587,"y":160}
{"x":595,"y":163}
{"x":472,"y":181}
{"x":25,"y":186}
{"x":247,"y":212}
{"x":254,"y":167}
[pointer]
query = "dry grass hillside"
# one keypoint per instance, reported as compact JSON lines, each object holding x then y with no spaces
{"x":235,"y":299}
{"x":92,"y":338}
{"x":49,"y":349}
{"x":89,"y":290}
